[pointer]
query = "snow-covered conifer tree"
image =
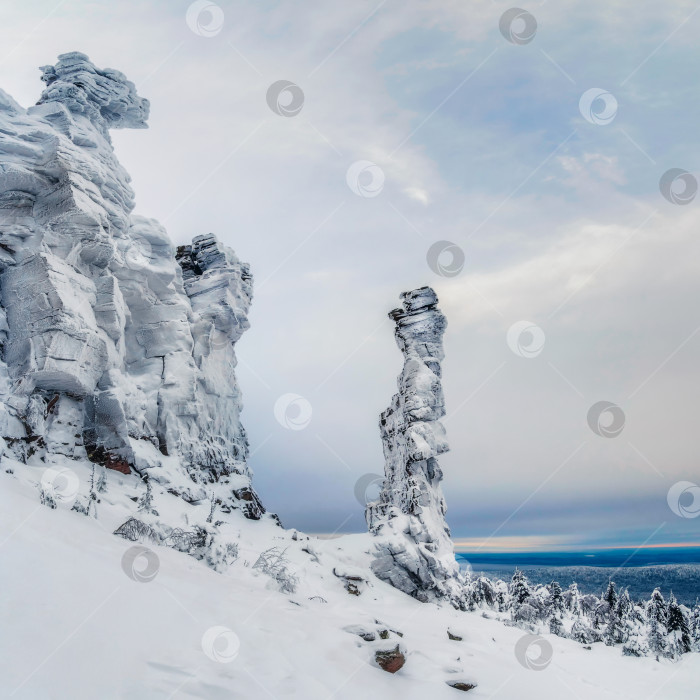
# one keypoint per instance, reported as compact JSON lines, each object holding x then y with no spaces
{"x":502,"y":597}
{"x":556,"y":600}
{"x":678,"y":640}
{"x":657,"y":615}
{"x":573,"y":602}
{"x":696,"y":626}
{"x":610,"y":595}
{"x":519,"y":588}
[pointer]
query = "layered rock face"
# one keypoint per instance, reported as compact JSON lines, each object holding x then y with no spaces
{"x":414,"y":551}
{"x":115,"y":347}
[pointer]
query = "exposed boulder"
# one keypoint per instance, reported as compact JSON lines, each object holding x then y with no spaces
{"x":390,"y":661}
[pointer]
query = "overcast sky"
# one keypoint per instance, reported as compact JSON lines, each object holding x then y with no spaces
{"x":485,"y":138}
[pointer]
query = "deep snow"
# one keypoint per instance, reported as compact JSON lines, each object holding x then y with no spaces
{"x":76,"y":626}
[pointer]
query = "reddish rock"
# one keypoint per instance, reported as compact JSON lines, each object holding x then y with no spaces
{"x":118,"y":464}
{"x":390,"y":661}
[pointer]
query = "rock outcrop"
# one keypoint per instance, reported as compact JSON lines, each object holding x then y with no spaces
{"x":115,"y":347}
{"x":413,"y":548}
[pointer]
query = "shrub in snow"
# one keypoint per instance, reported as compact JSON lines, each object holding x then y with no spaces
{"x":524,"y":613}
{"x":90,"y":503}
{"x":274,"y":564}
{"x":212,"y":507}
{"x":635,"y":646}
{"x":220,"y":555}
{"x":192,"y":542}
{"x":101,"y":485}
{"x":46,"y":497}
{"x":83,"y":508}
{"x":145,"y":503}
{"x":582,"y":633}
{"x":137,"y":531}
{"x":556,"y":626}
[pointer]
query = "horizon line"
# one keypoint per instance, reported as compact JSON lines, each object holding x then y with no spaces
{"x":533,"y":544}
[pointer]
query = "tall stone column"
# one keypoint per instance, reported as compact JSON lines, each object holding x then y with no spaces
{"x":414,"y":551}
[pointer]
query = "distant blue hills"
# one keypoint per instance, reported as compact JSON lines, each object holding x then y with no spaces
{"x":673,"y":570}
{"x":627,"y":557}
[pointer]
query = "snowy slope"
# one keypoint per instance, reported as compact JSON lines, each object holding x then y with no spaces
{"x":76,"y":626}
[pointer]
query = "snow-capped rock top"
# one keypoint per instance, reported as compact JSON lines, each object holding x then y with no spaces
{"x":414,"y":551}
{"x":111,"y":350}
{"x":105,"y":96}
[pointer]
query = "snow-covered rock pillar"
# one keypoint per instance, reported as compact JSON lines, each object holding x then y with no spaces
{"x":114,"y":346}
{"x":414,"y":551}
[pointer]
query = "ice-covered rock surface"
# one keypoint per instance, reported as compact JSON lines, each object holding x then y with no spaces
{"x":116,"y":347}
{"x":414,"y":551}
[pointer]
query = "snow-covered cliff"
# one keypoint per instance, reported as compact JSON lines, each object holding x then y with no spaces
{"x":115,"y":347}
{"x":414,"y":551}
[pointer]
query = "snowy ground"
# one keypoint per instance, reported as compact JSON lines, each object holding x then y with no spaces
{"x":76,"y":626}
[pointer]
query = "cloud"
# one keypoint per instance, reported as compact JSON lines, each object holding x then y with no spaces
{"x":481,"y":143}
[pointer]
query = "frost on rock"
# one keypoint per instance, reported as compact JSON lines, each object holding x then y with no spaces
{"x":413,"y":550}
{"x":115,"y":346}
